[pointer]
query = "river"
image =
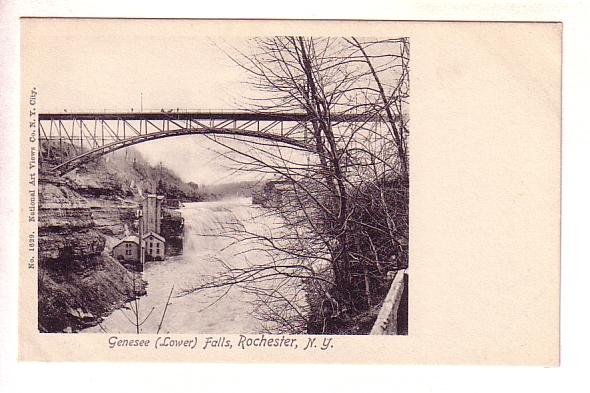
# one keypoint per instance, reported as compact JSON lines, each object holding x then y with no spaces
{"x":205,"y":252}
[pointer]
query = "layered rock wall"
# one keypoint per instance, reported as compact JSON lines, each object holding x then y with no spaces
{"x":78,"y":281}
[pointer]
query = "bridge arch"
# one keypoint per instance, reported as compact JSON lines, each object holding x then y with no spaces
{"x":93,"y":154}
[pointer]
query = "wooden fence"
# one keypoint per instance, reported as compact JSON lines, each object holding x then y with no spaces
{"x":392,"y":318}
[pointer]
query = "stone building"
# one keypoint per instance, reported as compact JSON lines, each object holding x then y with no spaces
{"x":127,"y":249}
{"x":154,"y":246}
{"x":152,"y":213}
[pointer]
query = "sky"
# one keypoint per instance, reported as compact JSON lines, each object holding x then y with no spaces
{"x":91,"y":65}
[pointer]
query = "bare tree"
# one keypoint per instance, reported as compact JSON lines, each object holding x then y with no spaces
{"x":136,"y":319}
{"x":343,"y":208}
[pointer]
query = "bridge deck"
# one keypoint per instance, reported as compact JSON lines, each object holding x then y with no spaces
{"x":201,"y":115}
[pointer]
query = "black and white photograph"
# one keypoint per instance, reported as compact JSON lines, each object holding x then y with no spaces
{"x":223,"y":185}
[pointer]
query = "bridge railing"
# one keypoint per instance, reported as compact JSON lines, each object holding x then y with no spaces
{"x":146,"y":110}
{"x":358,"y":110}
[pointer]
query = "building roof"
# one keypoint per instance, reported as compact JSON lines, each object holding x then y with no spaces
{"x":155,"y":235}
{"x":131,"y":238}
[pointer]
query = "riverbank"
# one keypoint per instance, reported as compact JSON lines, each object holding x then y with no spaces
{"x":81,"y":216}
{"x":207,"y":253}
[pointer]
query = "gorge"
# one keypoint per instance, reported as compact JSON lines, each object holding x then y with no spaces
{"x":80,"y":217}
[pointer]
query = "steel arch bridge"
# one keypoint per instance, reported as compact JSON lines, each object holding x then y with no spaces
{"x":83,"y":137}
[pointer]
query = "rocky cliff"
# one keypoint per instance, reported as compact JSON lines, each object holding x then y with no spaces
{"x":78,"y":281}
{"x":82,"y":215}
{"x":173,"y":231}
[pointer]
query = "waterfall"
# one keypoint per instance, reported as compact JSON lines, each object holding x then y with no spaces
{"x":210,"y":244}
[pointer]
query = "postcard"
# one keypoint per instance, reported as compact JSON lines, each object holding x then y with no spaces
{"x":290,"y":191}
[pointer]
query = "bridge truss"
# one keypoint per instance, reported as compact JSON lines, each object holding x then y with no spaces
{"x":73,"y":139}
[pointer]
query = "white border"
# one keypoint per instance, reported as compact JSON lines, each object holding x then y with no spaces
{"x":219,"y":378}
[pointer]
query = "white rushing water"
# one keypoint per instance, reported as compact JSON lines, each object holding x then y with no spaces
{"x":204,"y":248}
